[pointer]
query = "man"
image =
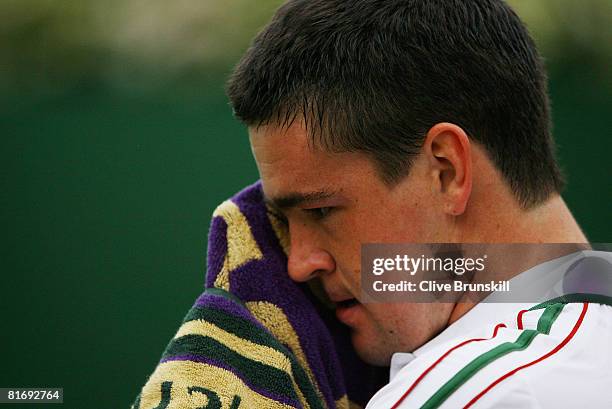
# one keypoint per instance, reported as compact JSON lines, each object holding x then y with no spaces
{"x":416,"y":121}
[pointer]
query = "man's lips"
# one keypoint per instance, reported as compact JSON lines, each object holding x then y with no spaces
{"x":347,"y":303}
{"x":346,"y":311}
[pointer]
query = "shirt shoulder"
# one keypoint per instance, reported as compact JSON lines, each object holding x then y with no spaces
{"x":554,"y":356}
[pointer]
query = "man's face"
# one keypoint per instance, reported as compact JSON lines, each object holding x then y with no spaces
{"x":334,"y":202}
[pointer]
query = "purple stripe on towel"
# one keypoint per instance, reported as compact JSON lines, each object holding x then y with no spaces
{"x":219,"y":302}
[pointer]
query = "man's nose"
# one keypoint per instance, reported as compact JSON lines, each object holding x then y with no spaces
{"x":306,"y":260}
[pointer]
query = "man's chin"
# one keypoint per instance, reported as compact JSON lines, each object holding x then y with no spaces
{"x":369,"y":350}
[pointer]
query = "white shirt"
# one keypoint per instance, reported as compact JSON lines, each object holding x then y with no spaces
{"x":525,"y":365}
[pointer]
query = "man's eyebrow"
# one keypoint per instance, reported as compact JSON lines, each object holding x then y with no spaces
{"x":294,"y":199}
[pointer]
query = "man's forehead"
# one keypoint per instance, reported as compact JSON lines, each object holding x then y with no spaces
{"x":274,"y":140}
{"x":293,"y":172}
{"x":291,"y":169}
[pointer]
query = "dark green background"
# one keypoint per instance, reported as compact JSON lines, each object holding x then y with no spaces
{"x":106,"y":198}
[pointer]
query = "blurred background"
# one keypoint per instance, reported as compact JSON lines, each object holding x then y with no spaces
{"x":117,"y":142}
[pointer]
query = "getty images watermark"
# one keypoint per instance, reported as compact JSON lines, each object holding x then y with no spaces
{"x":443,"y":272}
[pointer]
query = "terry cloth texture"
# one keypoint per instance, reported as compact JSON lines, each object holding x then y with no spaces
{"x":254,"y":338}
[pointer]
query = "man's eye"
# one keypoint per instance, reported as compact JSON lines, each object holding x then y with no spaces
{"x":319,"y":212}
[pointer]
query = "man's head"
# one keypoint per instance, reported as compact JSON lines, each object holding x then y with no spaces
{"x":379,"y":121}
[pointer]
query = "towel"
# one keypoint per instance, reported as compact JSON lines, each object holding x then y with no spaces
{"x":254,"y":338}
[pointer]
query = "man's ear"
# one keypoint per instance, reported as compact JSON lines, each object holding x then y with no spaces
{"x":448,"y":151}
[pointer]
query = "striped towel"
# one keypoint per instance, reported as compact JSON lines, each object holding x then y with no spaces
{"x":254,"y":338}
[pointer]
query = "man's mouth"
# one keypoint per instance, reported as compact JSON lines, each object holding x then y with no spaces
{"x":347,"y":303}
{"x":346,"y":311}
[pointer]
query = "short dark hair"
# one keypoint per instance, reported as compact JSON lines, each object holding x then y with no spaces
{"x":375,"y":75}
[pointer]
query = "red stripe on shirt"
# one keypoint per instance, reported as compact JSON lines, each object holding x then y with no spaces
{"x":519,"y":319}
